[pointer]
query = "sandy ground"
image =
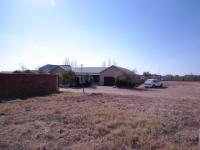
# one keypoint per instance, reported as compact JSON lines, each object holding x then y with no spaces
{"x":172,"y":89}
{"x":163,"y":119}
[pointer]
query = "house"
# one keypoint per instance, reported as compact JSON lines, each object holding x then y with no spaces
{"x":101,"y":75}
{"x":54,"y":69}
{"x":91,"y":71}
{"x":108,"y":76}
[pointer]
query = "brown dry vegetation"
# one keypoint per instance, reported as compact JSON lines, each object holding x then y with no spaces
{"x":101,"y":121}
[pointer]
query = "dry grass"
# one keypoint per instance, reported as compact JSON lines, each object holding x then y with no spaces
{"x":100,"y":122}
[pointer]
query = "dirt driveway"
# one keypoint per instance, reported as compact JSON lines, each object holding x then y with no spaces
{"x":173,"y":89}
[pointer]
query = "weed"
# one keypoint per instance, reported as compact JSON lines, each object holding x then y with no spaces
{"x":170,"y":147}
{"x":100,"y":130}
{"x":123,"y":136}
{"x":79,"y":120}
{"x":109,"y":113}
{"x":58,"y":112}
{"x":155,"y":126}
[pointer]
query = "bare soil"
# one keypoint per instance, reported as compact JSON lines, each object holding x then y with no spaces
{"x":156,"y":119}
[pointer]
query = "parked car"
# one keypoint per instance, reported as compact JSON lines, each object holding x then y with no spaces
{"x":152,"y":83}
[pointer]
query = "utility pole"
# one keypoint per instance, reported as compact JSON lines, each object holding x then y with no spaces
{"x":82,"y":78}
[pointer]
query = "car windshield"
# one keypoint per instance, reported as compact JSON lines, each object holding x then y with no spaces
{"x":151,"y":80}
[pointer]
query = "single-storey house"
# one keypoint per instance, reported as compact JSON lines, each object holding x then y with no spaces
{"x":101,"y":75}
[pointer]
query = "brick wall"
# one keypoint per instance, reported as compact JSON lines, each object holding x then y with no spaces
{"x":17,"y":85}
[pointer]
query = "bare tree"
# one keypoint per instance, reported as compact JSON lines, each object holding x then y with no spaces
{"x":103,"y":64}
{"x":22,"y":67}
{"x":135,"y":70}
{"x":67,"y":62}
{"x":114,"y":63}
{"x":75,"y":64}
{"x":146,"y":74}
{"x":109,"y":62}
{"x":72,"y":63}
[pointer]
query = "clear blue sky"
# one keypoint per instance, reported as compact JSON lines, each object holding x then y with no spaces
{"x":160,"y":36}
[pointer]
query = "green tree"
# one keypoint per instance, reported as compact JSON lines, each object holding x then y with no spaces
{"x":68,"y":78}
{"x":88,"y":80}
{"x":126,"y":80}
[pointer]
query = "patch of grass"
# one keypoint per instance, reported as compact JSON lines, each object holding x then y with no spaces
{"x":4,"y":109}
{"x":78,"y":120}
{"x":113,"y":124}
{"x":58,"y":112}
{"x":109,"y":113}
{"x":155,"y":127}
{"x":123,"y":136}
{"x":151,"y":126}
{"x":10,"y":106}
{"x":100,"y":130}
{"x":170,"y":147}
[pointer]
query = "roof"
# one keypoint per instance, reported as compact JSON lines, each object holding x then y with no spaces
{"x":6,"y":72}
{"x":89,"y":70}
{"x":126,"y":71}
{"x":65,"y":67}
{"x":49,"y":67}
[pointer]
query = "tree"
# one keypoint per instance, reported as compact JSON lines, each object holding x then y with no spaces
{"x":135,"y":70}
{"x":126,"y":80}
{"x":72,"y":63}
{"x":22,"y":67}
{"x":68,"y":78}
{"x":67,"y":62}
{"x":146,"y":74}
{"x":17,"y":71}
{"x":109,"y":62}
{"x":88,"y":80}
{"x":103,"y":64}
{"x":114,"y":63}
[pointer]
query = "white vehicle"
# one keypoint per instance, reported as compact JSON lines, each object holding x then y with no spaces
{"x":152,"y":83}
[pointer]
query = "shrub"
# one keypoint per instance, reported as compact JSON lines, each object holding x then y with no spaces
{"x":25,"y":71}
{"x":125,"y":81}
{"x":88,"y":80}
{"x":17,"y":71}
{"x":100,"y":130}
{"x":68,"y":78}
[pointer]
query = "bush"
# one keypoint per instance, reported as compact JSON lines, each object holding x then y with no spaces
{"x":25,"y":71}
{"x":88,"y":80}
{"x":68,"y":78}
{"x":125,"y":81}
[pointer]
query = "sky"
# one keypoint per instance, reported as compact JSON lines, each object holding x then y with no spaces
{"x":158,"y":36}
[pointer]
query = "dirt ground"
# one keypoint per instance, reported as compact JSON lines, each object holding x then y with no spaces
{"x":163,"y":119}
{"x":171,"y":89}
